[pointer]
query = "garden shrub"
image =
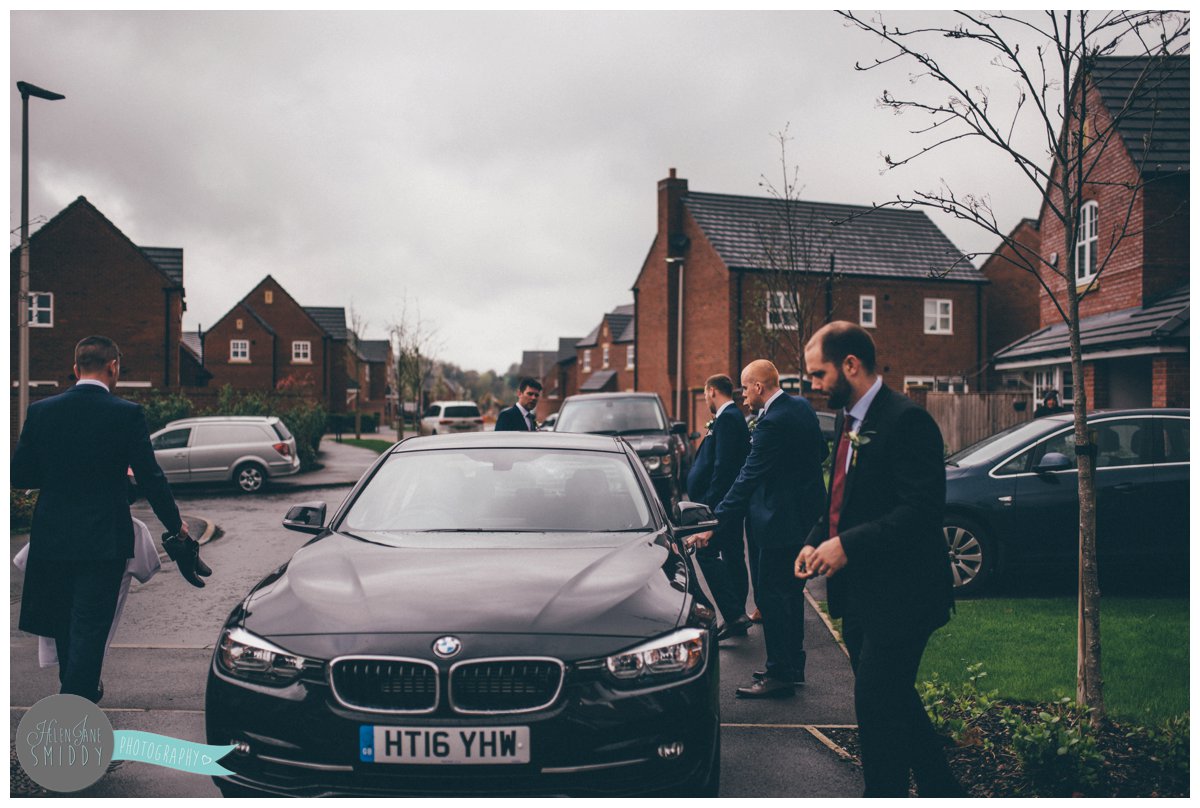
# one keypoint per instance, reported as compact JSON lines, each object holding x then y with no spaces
{"x":20,"y":508}
{"x":1057,"y":750}
{"x":956,"y":709}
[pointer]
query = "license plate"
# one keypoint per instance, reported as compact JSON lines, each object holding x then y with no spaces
{"x":443,"y":745}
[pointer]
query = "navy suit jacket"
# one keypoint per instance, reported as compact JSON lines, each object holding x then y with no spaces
{"x":719,"y":458}
{"x":781,"y":488}
{"x":75,"y":448}
{"x":511,"y":420}
{"x":897,"y":577}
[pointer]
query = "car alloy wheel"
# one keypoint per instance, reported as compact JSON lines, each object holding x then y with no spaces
{"x":971,"y":555}
{"x":249,"y":478}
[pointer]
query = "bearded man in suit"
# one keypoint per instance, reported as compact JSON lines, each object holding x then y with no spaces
{"x":880,"y":542}
{"x":520,"y":416}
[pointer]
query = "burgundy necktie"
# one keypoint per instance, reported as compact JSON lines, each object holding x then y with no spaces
{"x":837,"y":488}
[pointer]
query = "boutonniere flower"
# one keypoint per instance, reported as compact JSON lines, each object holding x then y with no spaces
{"x":857,"y":441}
{"x":708,"y":425}
{"x":753,"y":423}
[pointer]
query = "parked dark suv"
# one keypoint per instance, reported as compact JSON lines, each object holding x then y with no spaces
{"x":641,"y":420}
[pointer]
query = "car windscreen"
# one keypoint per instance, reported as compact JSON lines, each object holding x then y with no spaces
{"x":501,"y":490}
{"x":611,"y":416}
{"x":991,"y":447}
{"x":466,"y":411}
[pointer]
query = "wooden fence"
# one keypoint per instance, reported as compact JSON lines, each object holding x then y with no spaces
{"x":965,"y":418}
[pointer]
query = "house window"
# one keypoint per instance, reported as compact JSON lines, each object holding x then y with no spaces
{"x":1059,"y":379}
{"x":781,"y":310}
{"x":239,"y":350}
{"x":629,"y":357}
{"x":938,"y":384}
{"x":41,"y":309}
{"x":866,"y":311}
{"x":268,"y":296}
{"x":1085,"y":247}
{"x":587,"y":361}
{"x":238,"y":324}
{"x":938,"y":316}
{"x":604,"y":356}
{"x":302,"y":352}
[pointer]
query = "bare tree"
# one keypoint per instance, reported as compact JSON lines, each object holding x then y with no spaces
{"x":795,"y":269}
{"x":1055,"y":95}
{"x":413,"y":345}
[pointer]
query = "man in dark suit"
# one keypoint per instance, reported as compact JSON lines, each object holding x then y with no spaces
{"x":76,"y":448}
{"x":779,"y":491}
{"x":519,"y":417}
{"x":717,"y":463}
{"x":880,"y":541}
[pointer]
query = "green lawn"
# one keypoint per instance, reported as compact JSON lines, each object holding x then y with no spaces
{"x":374,"y":444}
{"x":1027,"y":647}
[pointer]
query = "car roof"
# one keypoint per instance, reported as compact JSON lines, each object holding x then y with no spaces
{"x":578,"y":441}
{"x":454,"y":403}
{"x":612,"y":395}
{"x":223,"y":419}
{"x":1068,"y":417}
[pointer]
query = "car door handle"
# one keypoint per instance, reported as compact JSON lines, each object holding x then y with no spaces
{"x":1125,"y":488}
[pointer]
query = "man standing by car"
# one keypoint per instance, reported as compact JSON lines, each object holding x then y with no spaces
{"x":779,"y":491}
{"x":519,"y":417}
{"x":76,"y":448}
{"x":717,"y":463}
{"x":880,"y":541}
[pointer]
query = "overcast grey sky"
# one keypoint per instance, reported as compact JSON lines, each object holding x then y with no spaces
{"x":498,"y":170}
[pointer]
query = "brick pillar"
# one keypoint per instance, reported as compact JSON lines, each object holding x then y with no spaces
{"x":1171,"y":376}
{"x":1095,"y":383}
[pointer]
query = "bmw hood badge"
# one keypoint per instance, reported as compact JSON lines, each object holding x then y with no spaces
{"x":446,"y":647}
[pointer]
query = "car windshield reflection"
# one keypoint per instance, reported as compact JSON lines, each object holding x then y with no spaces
{"x":1007,"y":440}
{"x":611,"y":416}
{"x":501,"y":490}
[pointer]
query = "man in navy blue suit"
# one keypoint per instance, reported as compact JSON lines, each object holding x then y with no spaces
{"x":717,"y":463}
{"x":76,"y":448}
{"x":781,"y":492}
{"x":520,"y":416}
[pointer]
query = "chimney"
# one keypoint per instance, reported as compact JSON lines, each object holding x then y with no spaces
{"x":670,"y":212}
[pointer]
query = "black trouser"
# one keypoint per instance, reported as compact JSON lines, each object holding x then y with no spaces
{"x":894,"y":732}
{"x":779,"y":595}
{"x":90,"y":590}
{"x":723,"y":562}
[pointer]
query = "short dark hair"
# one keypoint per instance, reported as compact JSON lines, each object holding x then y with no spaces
{"x":529,"y":381}
{"x":841,"y":338}
{"x":721,"y":383}
{"x":93,"y":353}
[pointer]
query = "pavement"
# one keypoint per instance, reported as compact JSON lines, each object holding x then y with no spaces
{"x":341,"y":464}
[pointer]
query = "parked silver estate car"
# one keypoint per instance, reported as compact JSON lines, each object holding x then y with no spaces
{"x":451,"y":417}
{"x":245,"y":449}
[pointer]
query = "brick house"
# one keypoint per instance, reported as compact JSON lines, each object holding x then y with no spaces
{"x":707,"y":279}
{"x":1134,"y":319}
{"x":268,"y":341}
{"x":374,"y":376}
{"x":1013,"y":307}
{"x":87,"y":277}
{"x":606,"y":358}
{"x":561,"y":379}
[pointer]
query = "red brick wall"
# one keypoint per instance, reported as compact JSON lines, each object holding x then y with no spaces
{"x":1013,"y":297}
{"x":1171,"y":381}
{"x":1167,"y":241}
{"x":1095,"y":384}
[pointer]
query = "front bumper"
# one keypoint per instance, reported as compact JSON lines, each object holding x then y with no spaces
{"x":594,"y":740}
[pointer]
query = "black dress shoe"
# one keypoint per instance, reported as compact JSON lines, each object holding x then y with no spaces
{"x":737,"y":628}
{"x":797,"y":679}
{"x":767,"y":688}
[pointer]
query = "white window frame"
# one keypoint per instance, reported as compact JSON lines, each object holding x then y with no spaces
{"x":629,"y":357}
{"x":35,"y":311}
{"x":779,"y":306}
{"x":1054,"y":378}
{"x":939,"y":384}
{"x":587,"y":361}
{"x":604,"y":356}
{"x":942,"y":320}
{"x":239,"y":351}
{"x":867,"y":311}
{"x":301,"y":352}
{"x":1087,"y":244}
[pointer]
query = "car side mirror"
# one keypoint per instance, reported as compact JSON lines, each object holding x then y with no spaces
{"x":308,"y":517}
{"x":1052,"y":461}
{"x":691,"y":518}
{"x":678,"y":428}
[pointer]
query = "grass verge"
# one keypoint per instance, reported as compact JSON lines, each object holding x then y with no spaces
{"x":376,"y":445}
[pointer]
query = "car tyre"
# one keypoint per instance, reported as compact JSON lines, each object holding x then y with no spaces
{"x":250,"y":478}
{"x":972,"y":554}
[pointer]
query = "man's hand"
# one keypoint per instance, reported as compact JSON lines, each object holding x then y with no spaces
{"x":699,"y":539}
{"x":825,"y":559}
{"x":185,"y":552}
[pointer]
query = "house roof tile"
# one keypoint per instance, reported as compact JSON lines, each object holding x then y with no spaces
{"x":167,"y":259}
{"x":330,"y":318}
{"x":1157,"y":128}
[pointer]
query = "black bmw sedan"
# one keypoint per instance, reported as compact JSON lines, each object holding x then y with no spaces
{"x":486,"y":614}
{"x":1012,"y":500}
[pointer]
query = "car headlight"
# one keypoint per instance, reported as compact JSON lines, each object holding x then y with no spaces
{"x":655,"y":462}
{"x":675,"y":656}
{"x":252,"y":658}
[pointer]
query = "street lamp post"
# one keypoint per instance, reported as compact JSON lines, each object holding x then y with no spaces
{"x":26,"y":90}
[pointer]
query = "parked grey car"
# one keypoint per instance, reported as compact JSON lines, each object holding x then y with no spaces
{"x":244,"y":449}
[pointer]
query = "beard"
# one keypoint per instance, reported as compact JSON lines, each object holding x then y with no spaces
{"x":839,"y":394}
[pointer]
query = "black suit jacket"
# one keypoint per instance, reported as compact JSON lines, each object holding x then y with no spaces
{"x":75,"y":448}
{"x":719,"y":459}
{"x":780,"y":488}
{"x":511,"y":420}
{"x":897,"y":578}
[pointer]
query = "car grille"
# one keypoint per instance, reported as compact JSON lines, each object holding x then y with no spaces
{"x":505,"y":685}
{"x":385,"y":685}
